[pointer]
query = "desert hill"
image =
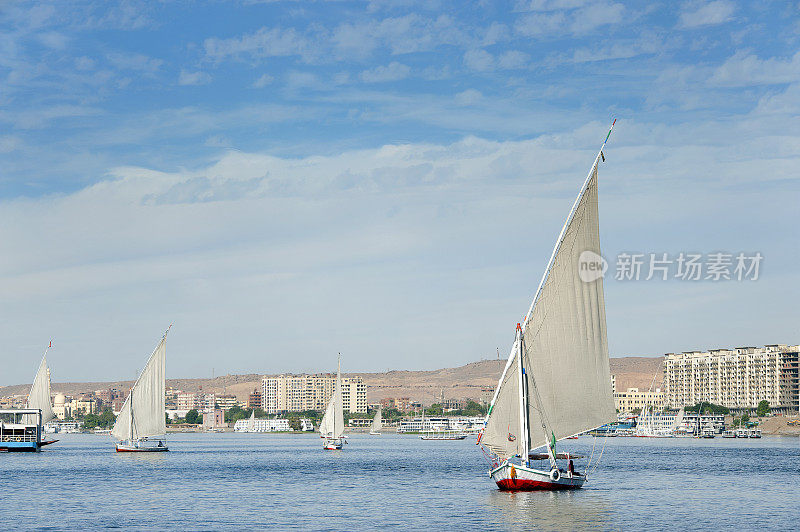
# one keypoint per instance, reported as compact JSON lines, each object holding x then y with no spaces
{"x":426,"y":386}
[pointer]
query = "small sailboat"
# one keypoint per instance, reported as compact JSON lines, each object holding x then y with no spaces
{"x":331,"y":428}
{"x":377,"y":424}
{"x":141,"y":425}
{"x":251,"y":423}
{"x":39,"y":398}
{"x":556,"y":381}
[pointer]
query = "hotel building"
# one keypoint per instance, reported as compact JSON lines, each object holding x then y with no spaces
{"x":298,"y":393}
{"x":634,"y":399}
{"x":735,"y":378}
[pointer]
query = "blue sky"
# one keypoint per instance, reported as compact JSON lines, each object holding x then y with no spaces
{"x":286,"y":180}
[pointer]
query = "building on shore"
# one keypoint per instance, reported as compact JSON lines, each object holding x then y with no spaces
{"x":403,"y":404}
{"x":299,"y":393}
{"x":263,"y":425}
{"x":214,"y":419}
{"x":254,"y":399}
{"x":735,"y":378}
{"x":633,"y":399}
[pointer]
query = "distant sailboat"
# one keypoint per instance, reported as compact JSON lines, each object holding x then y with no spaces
{"x":377,"y":424}
{"x":39,"y":398}
{"x":251,"y":423}
{"x":141,"y":425}
{"x":331,"y":428}
{"x":556,"y":381}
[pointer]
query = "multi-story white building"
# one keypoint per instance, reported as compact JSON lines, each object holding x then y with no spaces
{"x":633,"y":399}
{"x":735,"y":378}
{"x":298,"y":393}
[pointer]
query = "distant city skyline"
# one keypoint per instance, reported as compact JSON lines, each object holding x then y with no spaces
{"x":285,"y":181}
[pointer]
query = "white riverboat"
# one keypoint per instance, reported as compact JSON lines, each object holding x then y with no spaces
{"x":443,"y":435}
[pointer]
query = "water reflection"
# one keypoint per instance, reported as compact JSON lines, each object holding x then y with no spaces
{"x":551,"y":510}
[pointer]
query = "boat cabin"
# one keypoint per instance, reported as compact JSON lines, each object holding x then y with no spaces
{"x":17,"y":433}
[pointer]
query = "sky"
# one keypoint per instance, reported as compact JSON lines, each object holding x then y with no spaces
{"x":283,"y":181}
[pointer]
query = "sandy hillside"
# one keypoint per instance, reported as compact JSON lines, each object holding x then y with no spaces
{"x":426,"y":386}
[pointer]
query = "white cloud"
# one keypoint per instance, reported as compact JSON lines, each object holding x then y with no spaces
{"x":265,"y":42}
{"x":394,"y":71}
{"x":695,"y":15}
{"x":578,"y":21}
{"x":254,"y":242}
{"x":513,"y":59}
{"x":479,"y":60}
{"x":132,"y":61}
{"x":9,"y":143}
{"x":746,"y":69}
{"x":263,"y":81}
{"x":468,"y":97}
{"x":193,"y":78}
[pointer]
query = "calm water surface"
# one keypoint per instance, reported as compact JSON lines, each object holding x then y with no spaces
{"x":243,"y":481}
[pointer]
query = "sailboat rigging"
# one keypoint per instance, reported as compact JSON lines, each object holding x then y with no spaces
{"x":556,"y":382}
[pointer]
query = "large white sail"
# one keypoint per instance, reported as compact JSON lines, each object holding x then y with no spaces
{"x":251,"y":423}
{"x":565,"y":348}
{"x":565,"y":344}
{"x":39,"y":396}
{"x":377,"y":422}
{"x":332,"y":424}
{"x":142,"y":415}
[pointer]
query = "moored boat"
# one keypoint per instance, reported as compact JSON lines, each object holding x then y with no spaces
{"x":556,"y":381}
{"x":442,"y":435}
{"x":141,"y":425}
{"x":728,"y":433}
{"x":21,"y":430}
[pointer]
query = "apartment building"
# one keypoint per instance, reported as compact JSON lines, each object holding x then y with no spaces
{"x":297,"y":393}
{"x":634,"y":399}
{"x":735,"y":378}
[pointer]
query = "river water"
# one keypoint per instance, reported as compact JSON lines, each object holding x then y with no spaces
{"x":244,"y":481}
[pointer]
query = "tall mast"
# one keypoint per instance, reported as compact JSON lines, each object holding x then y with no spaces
{"x":523,"y":401}
{"x":337,"y":392}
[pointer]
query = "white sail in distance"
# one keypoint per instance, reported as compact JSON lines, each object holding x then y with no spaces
{"x":251,"y":423}
{"x":565,"y":347}
{"x":39,"y":395}
{"x":377,"y":422}
{"x":142,"y":414}
{"x":332,"y":424}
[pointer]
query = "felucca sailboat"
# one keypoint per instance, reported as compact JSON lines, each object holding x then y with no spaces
{"x":557,"y":381}
{"x":39,"y":399}
{"x":141,"y":425}
{"x":377,"y":424}
{"x":331,"y":428}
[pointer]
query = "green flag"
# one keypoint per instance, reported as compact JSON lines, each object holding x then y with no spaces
{"x":553,"y":442}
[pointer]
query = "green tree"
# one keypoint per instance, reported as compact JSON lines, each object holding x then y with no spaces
{"x":193,"y":417}
{"x":745,"y":418}
{"x":763,"y":408}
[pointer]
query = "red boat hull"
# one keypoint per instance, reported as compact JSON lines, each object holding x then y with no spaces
{"x":510,"y":477}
